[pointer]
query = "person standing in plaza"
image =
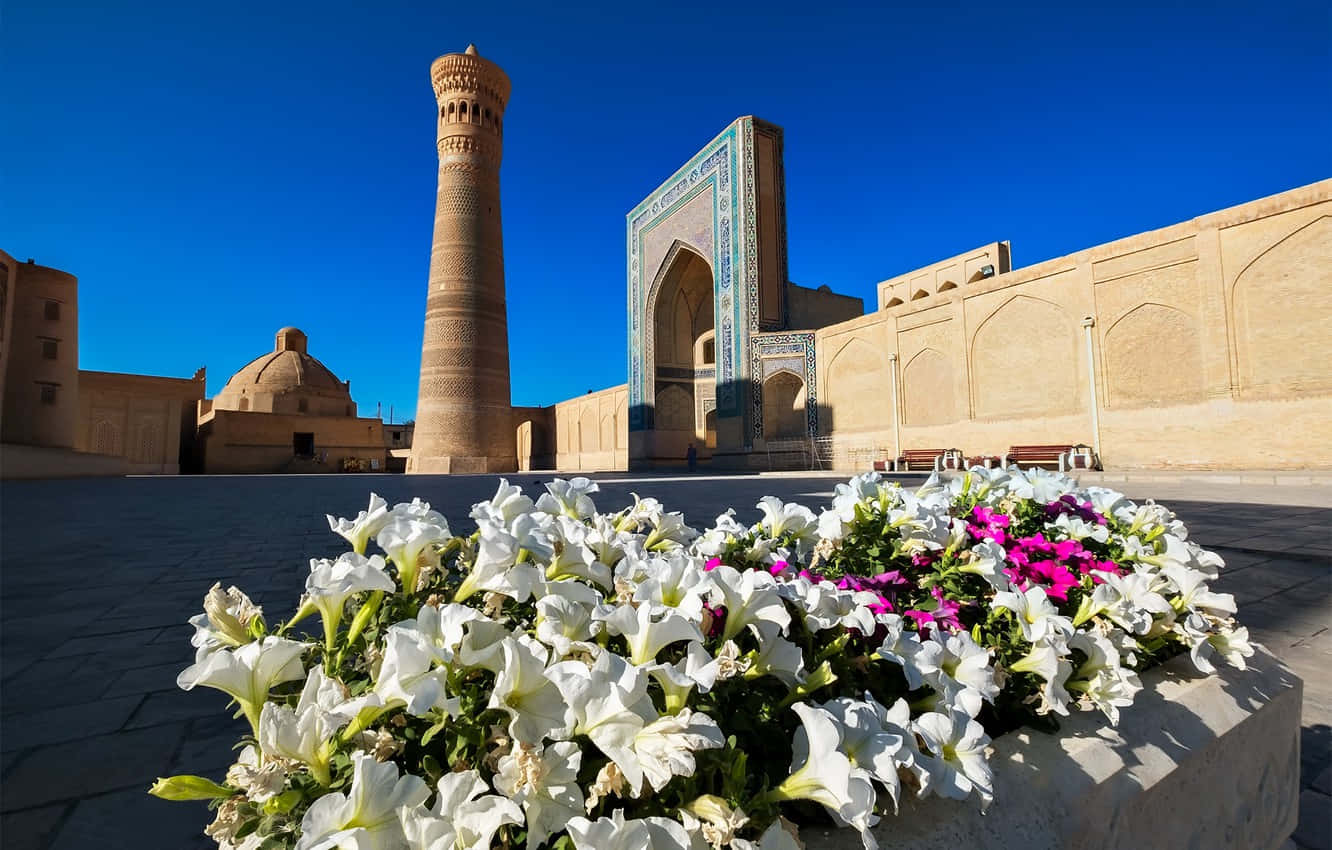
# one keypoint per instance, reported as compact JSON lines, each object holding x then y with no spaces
{"x":691,"y":458}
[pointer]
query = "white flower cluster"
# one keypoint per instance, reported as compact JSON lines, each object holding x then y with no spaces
{"x":562,"y":677}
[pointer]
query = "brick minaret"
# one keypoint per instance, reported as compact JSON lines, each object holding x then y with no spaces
{"x":463,"y":409}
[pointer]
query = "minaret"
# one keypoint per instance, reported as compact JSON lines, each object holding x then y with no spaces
{"x":463,"y":420}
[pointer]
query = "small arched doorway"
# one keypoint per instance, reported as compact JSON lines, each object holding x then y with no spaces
{"x":784,"y":407}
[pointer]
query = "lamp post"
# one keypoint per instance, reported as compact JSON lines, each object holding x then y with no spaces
{"x":897,"y":434}
{"x":1088,"y":323}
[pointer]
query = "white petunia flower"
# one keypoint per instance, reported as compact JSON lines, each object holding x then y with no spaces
{"x":668,"y":532}
{"x":409,"y":677}
{"x":247,"y":673}
{"x":419,"y":510}
{"x":301,"y":734}
{"x":647,"y":633}
{"x":497,"y":567}
{"x":902,"y":647}
{"x":1194,"y":594}
{"x":366,"y":817}
{"x":331,"y":583}
{"x":1077,"y":528}
{"x":360,"y":531}
{"x":608,"y":543}
{"x":1229,"y":641}
{"x":697,"y":669}
{"x":412,"y":546}
{"x":564,"y":617}
{"x":713,"y":819}
{"x":440,"y":628}
{"x":504,"y":507}
{"x":1100,"y":678}
{"x":675,"y":581}
{"x":570,"y":498}
{"x":787,"y":518}
{"x":616,"y":833}
{"x":225,"y":621}
{"x":825,"y":606}
{"x":665,"y":747}
{"x":776,"y":656}
{"x":608,"y":702}
{"x":1048,"y":660}
{"x":957,"y":658}
{"x":960,"y":765}
{"x":464,"y":817}
{"x":749,"y":597}
{"x":1036,"y":615}
{"x":875,"y":745}
{"x":1129,"y":600}
{"x":572,"y":557}
{"x":986,"y":559}
{"x":522,"y":690}
{"x":725,"y":531}
{"x":259,"y":778}
{"x":545,"y":784}
{"x":825,"y":773}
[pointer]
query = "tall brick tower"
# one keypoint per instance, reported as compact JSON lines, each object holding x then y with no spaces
{"x":463,"y":420}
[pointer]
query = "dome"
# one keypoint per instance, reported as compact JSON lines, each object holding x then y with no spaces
{"x":287,"y":380}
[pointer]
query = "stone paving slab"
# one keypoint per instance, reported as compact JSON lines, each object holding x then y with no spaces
{"x":99,"y":576}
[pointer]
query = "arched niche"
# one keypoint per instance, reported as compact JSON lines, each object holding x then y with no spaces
{"x":1024,"y":361}
{"x":857,"y":389}
{"x":1153,"y":356}
{"x":682,"y":315}
{"x":1282,"y":305}
{"x":927,"y":389}
{"x":784,"y":399}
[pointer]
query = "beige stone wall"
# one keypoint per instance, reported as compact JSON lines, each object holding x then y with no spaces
{"x":235,"y":442}
{"x":42,"y":364}
{"x":807,"y":308}
{"x":1209,"y":346}
{"x":534,"y":437}
{"x":146,"y":420}
{"x":591,"y":432}
{"x":983,"y":262}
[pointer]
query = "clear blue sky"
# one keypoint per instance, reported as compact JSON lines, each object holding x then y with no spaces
{"x":212,"y":172}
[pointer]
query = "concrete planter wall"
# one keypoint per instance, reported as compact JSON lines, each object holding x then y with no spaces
{"x":1196,"y":762}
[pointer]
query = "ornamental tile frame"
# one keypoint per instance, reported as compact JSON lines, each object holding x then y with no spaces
{"x":783,"y":352}
{"x":726,"y":165}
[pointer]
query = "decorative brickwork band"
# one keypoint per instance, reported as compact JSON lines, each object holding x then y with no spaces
{"x":462,"y":418}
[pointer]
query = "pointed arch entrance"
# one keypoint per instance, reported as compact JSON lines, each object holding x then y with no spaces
{"x":682,"y":316}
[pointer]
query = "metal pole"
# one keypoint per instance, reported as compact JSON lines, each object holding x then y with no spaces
{"x":1088,"y":323}
{"x":897,"y":434}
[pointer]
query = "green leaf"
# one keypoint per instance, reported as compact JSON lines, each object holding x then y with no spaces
{"x":434,"y":730}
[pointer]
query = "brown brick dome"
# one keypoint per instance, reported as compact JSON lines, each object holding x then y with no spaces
{"x":287,"y":380}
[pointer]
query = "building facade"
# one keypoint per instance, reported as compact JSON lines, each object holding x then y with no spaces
{"x":285,"y":411}
{"x":40,"y":355}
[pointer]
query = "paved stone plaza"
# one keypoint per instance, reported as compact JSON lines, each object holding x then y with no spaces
{"x":100,"y":575}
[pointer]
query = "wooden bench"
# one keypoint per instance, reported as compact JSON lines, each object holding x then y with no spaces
{"x":1057,"y":455}
{"x":934,"y":459}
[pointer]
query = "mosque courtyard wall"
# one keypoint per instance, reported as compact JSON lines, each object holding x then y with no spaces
{"x":1205,"y":344}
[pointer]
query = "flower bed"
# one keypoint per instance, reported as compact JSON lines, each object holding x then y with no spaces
{"x":568,"y":679}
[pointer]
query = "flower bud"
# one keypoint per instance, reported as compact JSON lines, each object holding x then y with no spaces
{"x":188,"y":788}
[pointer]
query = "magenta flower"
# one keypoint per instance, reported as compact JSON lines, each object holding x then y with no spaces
{"x":712,"y":564}
{"x":1055,"y":578}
